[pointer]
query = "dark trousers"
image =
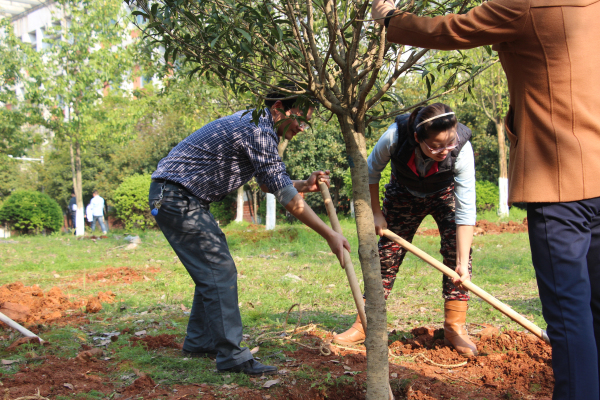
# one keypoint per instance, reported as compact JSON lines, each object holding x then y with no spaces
{"x":73,"y":219}
{"x":215,"y":322}
{"x":565,"y":248}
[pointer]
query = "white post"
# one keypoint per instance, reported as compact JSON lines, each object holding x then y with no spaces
{"x":239,"y":217}
{"x":79,"y":224}
{"x":352,"y":207}
{"x":503,"y":186}
{"x":270,"y":211}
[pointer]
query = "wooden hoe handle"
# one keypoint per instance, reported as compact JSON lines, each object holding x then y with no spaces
{"x":497,"y":304}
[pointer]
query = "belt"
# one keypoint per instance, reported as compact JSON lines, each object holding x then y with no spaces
{"x":179,"y":185}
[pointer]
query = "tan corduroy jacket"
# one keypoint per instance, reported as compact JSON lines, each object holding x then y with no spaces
{"x":549,"y":51}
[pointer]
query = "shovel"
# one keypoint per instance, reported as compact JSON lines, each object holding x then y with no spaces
{"x":26,"y":332}
{"x":347,"y":265}
{"x":497,"y":304}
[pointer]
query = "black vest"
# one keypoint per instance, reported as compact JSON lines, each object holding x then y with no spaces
{"x":405,"y":149}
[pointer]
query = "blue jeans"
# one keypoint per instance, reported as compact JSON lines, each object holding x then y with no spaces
{"x":100,"y":220}
{"x":215,"y":323}
{"x":74,"y":219}
{"x":565,"y":249}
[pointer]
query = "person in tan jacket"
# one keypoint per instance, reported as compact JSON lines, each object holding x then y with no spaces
{"x":553,"y":124}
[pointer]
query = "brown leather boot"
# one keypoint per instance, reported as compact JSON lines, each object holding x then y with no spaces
{"x":455,"y":335}
{"x":354,"y":335}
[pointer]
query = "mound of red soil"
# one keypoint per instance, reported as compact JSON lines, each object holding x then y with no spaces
{"x":512,"y":362}
{"x":112,"y":275}
{"x":484,"y":227}
{"x":157,"y":342}
{"x":36,"y":306}
{"x":510,"y":365}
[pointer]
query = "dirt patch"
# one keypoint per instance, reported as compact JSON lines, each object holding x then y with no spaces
{"x":57,"y":377}
{"x":510,"y":365}
{"x":157,"y":342}
{"x":111,"y":275}
{"x":484,"y":227}
{"x":30,"y":305}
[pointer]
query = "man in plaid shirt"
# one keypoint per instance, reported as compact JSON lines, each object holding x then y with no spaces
{"x":206,"y":166}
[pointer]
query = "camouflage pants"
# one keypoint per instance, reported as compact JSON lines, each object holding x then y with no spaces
{"x":404,"y":213}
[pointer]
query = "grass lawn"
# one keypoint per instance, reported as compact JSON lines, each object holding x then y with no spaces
{"x":276,"y":269}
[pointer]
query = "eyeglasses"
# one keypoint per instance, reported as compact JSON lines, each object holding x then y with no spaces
{"x":438,"y":150}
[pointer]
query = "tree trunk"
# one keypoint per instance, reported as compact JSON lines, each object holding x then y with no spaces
{"x":77,"y":188}
{"x":255,"y":202}
{"x":80,"y":230}
{"x":503,"y":180}
{"x":250,"y":206}
{"x":282,"y":146}
{"x":376,"y":341}
{"x":239,"y":217}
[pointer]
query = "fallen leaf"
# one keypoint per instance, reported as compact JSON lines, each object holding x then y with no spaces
{"x":270,"y":383}
{"x":232,"y":386}
{"x":347,"y":368}
{"x":31,"y":340}
{"x":8,"y":362}
{"x":283,"y":371}
{"x":146,"y":278}
{"x":68,"y":385}
{"x":394,"y":375}
{"x":255,"y":350}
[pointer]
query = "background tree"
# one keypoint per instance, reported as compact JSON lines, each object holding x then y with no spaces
{"x":328,"y":51}
{"x":19,"y":117}
{"x":85,"y":62}
{"x":491,"y":93}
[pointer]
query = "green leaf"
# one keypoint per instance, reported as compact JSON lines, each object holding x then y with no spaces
{"x":245,"y":34}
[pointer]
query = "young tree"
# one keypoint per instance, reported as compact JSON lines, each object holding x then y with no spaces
{"x":327,"y":50}
{"x":87,"y":58}
{"x":491,"y":94}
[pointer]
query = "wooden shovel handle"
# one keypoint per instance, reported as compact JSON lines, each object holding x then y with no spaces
{"x":348,"y":267}
{"x":497,"y":304}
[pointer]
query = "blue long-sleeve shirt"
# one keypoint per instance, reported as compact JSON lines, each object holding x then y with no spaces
{"x":225,"y":154}
{"x":464,"y":174}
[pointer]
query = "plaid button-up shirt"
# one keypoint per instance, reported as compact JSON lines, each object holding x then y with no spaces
{"x":223,"y":155}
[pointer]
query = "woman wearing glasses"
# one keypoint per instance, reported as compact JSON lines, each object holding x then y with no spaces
{"x":433,"y":173}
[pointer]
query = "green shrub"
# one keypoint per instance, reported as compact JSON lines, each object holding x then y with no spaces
{"x":224,"y":210}
{"x":131,"y":202}
{"x":29,"y":211}
{"x":488,"y":195}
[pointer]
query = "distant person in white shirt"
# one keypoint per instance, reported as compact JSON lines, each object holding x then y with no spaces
{"x":88,"y":213}
{"x":97,"y":205}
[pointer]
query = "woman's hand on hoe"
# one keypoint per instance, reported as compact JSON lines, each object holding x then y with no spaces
{"x":380,"y":223}
{"x":464,"y":276}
